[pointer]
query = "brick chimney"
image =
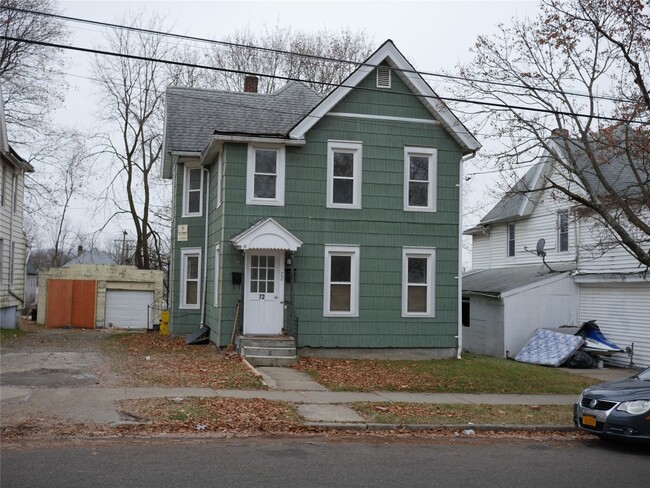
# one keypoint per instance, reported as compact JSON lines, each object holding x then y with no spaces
{"x":563,"y":133}
{"x":250,"y":84}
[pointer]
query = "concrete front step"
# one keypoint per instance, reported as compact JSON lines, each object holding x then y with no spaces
{"x":268,"y":350}
{"x":277,"y":361}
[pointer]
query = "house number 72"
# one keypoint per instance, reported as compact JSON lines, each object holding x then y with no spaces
{"x":262,"y":296}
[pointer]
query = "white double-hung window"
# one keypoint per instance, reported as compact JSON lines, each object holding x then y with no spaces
{"x":420,"y":170}
{"x":341,"y":294}
{"x":418,"y":282}
{"x":190,"y":274}
{"x":563,"y":231}
{"x":192,"y":192}
{"x":344,"y":160}
{"x":265,"y":175}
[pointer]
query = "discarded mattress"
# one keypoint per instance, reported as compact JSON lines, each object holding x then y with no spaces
{"x":549,"y":348}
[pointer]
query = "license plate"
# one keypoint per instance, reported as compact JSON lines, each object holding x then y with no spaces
{"x":589,"y":421}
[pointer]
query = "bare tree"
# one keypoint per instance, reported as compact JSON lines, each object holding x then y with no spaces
{"x":312,"y":56}
{"x":32,"y":85}
{"x":52,"y":191}
{"x":132,"y":102}
{"x":581,"y":67}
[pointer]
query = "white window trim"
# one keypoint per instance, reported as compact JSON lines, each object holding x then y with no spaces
{"x":559,"y":231}
{"x":217,"y":267}
{"x":186,"y":192}
{"x":420,"y":252}
{"x":278,"y":201}
{"x":219,"y":178}
{"x":432,"y":193}
{"x":190,"y":251}
{"x":514,"y":251}
{"x":356,"y":148}
{"x":355,"y":253}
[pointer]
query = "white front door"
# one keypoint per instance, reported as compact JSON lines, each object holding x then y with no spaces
{"x":264,"y":297}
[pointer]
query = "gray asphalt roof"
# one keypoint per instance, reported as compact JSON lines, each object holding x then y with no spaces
{"x":92,"y":257}
{"x":194,"y":114}
{"x":509,"y":207}
{"x":499,"y":280}
{"x":612,"y":162}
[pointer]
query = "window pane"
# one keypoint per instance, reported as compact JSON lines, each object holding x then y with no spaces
{"x":417,"y":270}
{"x":264,"y":186}
{"x":270,"y":275}
{"x":340,"y":269}
{"x":191,"y":294}
{"x":265,"y":161}
{"x":262,"y":261}
{"x":343,"y":191}
{"x":419,"y":168}
{"x":417,"y":299}
{"x":253,"y":286}
{"x":340,"y":298}
{"x":195,"y":179}
{"x":271,"y":261}
{"x":270,"y":287}
{"x":192,"y":267}
{"x":194,"y":202}
{"x":344,"y":164}
{"x":418,"y":194}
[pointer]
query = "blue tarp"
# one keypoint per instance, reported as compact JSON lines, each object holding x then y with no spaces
{"x":549,"y":348}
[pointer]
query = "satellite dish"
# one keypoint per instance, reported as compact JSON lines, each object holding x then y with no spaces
{"x":540,"y":247}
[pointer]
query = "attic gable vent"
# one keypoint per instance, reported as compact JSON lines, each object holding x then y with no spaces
{"x":383,"y":77}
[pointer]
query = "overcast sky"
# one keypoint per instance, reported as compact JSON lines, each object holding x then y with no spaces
{"x":433,"y":35}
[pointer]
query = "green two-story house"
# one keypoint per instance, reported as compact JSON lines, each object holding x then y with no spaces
{"x":333,"y":220}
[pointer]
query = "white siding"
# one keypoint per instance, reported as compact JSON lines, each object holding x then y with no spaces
{"x":481,"y":252}
{"x":622,"y":311}
{"x":491,"y":251}
{"x":546,"y":305}
{"x":595,"y":259}
{"x":11,"y":231}
{"x":485,"y":332}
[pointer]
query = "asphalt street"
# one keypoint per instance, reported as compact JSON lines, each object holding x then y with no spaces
{"x":319,"y":462}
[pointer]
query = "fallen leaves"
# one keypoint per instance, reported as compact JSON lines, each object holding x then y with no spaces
{"x":145,"y":360}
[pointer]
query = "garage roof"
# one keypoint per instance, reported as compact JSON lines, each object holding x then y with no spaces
{"x":498,"y":280}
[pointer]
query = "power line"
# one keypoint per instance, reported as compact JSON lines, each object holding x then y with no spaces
{"x":289,"y":78}
{"x":306,"y":55}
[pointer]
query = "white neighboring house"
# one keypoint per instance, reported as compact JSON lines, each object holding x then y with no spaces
{"x":13,"y":243}
{"x":510,"y":292}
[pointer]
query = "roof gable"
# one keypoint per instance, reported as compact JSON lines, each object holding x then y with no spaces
{"x":389,"y":54}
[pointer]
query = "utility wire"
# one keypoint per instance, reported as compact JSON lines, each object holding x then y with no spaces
{"x":289,"y":78}
{"x":306,"y":55}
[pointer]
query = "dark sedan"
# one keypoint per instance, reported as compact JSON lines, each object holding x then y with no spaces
{"x":618,"y":409}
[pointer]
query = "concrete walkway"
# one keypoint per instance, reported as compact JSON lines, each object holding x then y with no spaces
{"x":314,"y":402}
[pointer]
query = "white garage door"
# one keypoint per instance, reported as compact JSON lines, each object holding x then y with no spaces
{"x":127,"y":308}
{"x":622,"y":311}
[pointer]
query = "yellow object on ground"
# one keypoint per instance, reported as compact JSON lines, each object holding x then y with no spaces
{"x":164,"y":322}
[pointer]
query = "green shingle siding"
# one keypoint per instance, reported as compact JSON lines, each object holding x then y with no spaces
{"x":381,"y":228}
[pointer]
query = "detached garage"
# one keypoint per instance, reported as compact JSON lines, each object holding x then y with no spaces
{"x":115,"y":296}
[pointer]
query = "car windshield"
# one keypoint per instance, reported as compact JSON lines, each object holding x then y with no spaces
{"x":644,"y":375}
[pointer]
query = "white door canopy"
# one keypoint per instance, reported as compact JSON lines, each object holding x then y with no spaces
{"x":266,"y":234}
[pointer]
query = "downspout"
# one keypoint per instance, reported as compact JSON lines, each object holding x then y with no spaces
{"x":459,"y":336}
{"x":205,"y":246}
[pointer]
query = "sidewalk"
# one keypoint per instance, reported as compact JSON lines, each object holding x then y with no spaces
{"x":315,"y":404}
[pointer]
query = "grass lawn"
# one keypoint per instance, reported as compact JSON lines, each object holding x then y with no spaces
{"x":149,"y":359}
{"x":214,"y":414}
{"x":472,"y":374}
{"x":8,"y":334}
{"x":453,"y":414}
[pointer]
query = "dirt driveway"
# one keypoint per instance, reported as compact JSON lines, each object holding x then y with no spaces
{"x":56,"y":358}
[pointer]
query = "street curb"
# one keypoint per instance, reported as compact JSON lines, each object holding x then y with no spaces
{"x":460,"y":427}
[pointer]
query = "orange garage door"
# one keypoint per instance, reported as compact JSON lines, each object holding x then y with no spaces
{"x":70,"y":303}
